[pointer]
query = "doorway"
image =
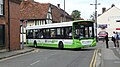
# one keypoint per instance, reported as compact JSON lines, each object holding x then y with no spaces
{"x":2,"y":36}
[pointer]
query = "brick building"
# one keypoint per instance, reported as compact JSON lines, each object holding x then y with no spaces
{"x":9,"y":24}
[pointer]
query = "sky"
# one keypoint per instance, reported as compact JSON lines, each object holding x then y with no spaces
{"x":83,"y":5}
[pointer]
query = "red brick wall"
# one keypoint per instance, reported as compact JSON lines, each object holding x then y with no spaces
{"x":14,"y":26}
{"x":2,"y":21}
{"x":6,"y":24}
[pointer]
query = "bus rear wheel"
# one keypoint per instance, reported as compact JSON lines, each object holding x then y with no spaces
{"x":60,"y":45}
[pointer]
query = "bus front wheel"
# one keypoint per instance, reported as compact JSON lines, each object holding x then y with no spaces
{"x":60,"y":45}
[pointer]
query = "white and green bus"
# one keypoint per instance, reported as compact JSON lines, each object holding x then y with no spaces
{"x":73,"y":34}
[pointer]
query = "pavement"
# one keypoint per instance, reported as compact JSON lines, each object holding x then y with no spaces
{"x":108,"y":57}
{"x":6,"y":54}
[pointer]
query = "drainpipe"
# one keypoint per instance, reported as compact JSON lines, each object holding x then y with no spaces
{"x":9,"y":26}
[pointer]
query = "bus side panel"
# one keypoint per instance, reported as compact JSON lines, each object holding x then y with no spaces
{"x":55,"y":43}
{"x":43,"y":42}
{"x":29,"y":42}
{"x":67,"y":43}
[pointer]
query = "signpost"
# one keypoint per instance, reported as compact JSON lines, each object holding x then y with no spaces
{"x":24,"y":23}
{"x":23,"y":26}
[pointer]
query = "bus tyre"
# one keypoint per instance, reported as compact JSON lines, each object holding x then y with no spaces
{"x":60,"y":45}
{"x":35,"y":43}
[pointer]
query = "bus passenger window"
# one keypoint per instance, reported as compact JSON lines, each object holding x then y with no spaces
{"x":47,"y":35}
{"x":40,"y":34}
{"x":30,"y":34}
{"x":52,"y":33}
{"x":68,"y":32}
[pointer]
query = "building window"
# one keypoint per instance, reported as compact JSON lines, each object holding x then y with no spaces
{"x":1,"y":7}
{"x":117,"y":20}
{"x":103,"y":26}
{"x":2,"y":35}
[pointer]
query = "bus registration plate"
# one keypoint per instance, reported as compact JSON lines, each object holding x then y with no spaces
{"x":86,"y":42}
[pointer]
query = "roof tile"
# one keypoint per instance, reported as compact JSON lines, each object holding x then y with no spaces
{"x":34,"y":10}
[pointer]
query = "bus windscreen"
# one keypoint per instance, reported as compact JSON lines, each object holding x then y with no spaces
{"x":83,"y":30}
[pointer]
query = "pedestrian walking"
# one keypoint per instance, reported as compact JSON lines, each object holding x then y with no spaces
{"x":117,"y":40}
{"x":106,"y":39}
{"x":114,"y":38}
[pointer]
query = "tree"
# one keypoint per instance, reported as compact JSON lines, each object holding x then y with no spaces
{"x":76,"y":14}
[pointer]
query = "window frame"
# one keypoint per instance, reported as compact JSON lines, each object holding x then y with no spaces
{"x":3,"y":8}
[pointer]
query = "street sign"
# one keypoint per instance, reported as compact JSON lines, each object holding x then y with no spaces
{"x":24,"y":23}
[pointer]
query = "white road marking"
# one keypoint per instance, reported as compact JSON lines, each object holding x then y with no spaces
{"x":116,"y":61}
{"x":35,"y":62}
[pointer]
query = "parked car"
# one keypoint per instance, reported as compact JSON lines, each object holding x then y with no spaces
{"x":101,"y":35}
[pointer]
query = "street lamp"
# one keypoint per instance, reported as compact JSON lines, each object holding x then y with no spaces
{"x":64,"y":5}
{"x":96,"y":16}
{"x":64,"y":10}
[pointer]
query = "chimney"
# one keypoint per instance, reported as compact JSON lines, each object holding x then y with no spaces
{"x":112,"y":5}
{"x":58,"y":5}
{"x":103,"y":9}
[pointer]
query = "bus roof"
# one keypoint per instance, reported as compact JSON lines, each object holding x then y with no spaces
{"x":53,"y":25}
